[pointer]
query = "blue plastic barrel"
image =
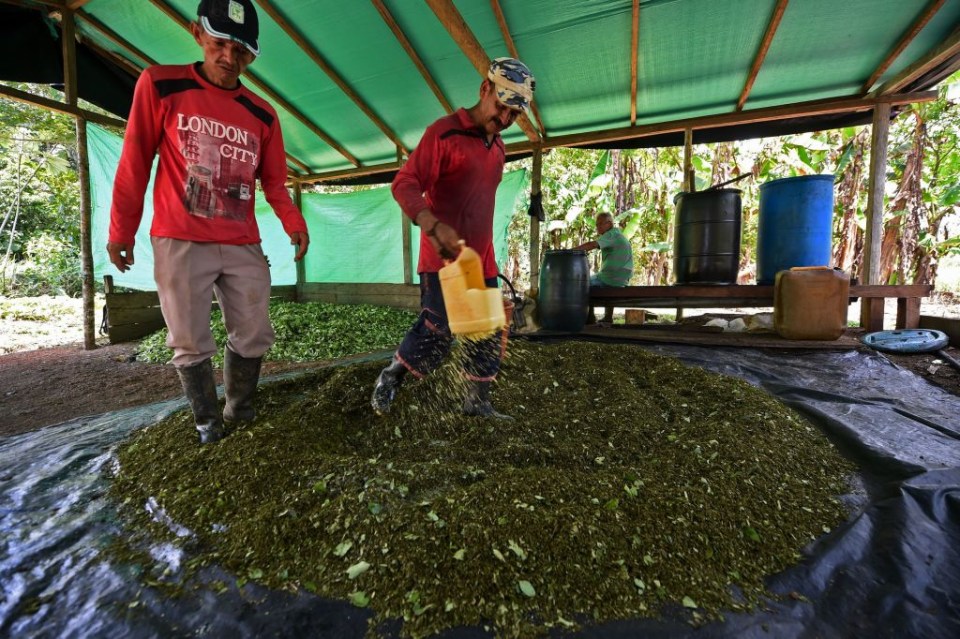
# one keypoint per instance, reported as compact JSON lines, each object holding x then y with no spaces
{"x":795,"y":225}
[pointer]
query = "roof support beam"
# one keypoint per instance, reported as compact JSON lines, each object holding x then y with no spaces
{"x":260,"y":84}
{"x":457,"y":27}
{"x":634,"y":51}
{"x":772,"y":26}
{"x":932,"y":7}
{"x":512,"y":48}
{"x":321,"y":62}
{"x":113,"y":37}
{"x":59,"y":107}
{"x":950,"y":48}
{"x":870,"y":272}
{"x":412,"y":53}
{"x":801,"y":109}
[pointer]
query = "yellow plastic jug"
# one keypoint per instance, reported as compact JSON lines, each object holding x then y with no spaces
{"x":810,"y":302}
{"x":473,"y":310}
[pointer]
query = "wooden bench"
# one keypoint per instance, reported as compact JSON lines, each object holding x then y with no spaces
{"x":872,"y":296}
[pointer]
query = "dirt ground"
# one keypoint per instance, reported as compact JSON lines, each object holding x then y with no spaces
{"x":52,"y":384}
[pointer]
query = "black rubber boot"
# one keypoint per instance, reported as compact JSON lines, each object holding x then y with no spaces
{"x":201,"y":390}
{"x":240,"y":377}
{"x":388,"y":382}
{"x":477,"y":402}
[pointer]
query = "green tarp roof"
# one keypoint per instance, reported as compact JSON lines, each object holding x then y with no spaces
{"x":694,"y":59}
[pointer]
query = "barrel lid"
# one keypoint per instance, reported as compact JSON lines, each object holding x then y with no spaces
{"x":705,"y":193}
{"x":566,"y":252}
{"x":800,"y":178}
{"x":909,"y":340}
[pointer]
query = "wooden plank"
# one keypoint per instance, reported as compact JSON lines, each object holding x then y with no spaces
{"x":133,"y":332}
{"x":932,"y":7}
{"x":850,"y":104}
{"x":330,"y":72}
{"x":451,"y":19}
{"x":761,"y":54}
{"x":512,"y":48}
{"x":748,"y":291}
{"x":875,"y":191}
{"x":908,"y":312}
{"x":674,"y":335}
{"x":131,"y":315}
{"x":139,"y":299}
{"x":412,"y":54}
{"x":59,"y":107}
{"x":949,"y":325}
{"x":634,"y":61}
{"x":362,"y":288}
{"x":945,"y":53}
{"x":871,"y":314}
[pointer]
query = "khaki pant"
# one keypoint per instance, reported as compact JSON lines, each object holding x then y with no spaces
{"x":188,"y":274}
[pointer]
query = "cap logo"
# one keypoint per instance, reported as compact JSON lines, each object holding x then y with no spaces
{"x":235,"y":11}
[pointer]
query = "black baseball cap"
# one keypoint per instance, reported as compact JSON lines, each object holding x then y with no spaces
{"x":231,"y":20}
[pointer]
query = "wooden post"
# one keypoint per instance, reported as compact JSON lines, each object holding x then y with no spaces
{"x":301,"y":266}
{"x":68,"y":40}
{"x":870,"y":273}
{"x":689,"y":177}
{"x":535,"y":180}
{"x":689,"y":181}
{"x":407,"y":231}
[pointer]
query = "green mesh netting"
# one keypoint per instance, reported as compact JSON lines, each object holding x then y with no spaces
{"x":354,"y":237}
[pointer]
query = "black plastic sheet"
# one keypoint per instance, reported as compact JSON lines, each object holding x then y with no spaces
{"x":893,"y":570}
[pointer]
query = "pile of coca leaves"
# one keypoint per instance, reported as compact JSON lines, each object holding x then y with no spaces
{"x":629,"y":484}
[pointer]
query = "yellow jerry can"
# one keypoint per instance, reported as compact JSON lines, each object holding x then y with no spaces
{"x":473,"y":310}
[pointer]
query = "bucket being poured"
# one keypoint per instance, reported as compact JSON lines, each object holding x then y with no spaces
{"x":474,"y":311}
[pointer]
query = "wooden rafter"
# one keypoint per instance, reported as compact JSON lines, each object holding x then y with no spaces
{"x":273,"y":95}
{"x":113,"y":37}
{"x":634,"y":66}
{"x":73,"y":5}
{"x":948,"y":50}
{"x":768,"y":114}
{"x":321,"y":62}
{"x":778,"y":12}
{"x":931,"y":9}
{"x":351,"y":173}
{"x":412,"y":53}
{"x":512,"y":48}
{"x":59,"y":107}
{"x":457,"y":27}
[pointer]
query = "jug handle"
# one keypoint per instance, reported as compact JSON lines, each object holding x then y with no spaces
{"x":447,"y":261}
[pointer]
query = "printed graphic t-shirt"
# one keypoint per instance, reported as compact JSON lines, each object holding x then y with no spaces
{"x":213,"y":144}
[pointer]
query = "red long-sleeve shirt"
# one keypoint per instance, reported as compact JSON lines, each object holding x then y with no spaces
{"x":213,"y":144}
{"x":454,"y":173}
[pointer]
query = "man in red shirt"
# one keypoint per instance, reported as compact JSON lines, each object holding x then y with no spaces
{"x":214,"y":138}
{"x":448,"y":188}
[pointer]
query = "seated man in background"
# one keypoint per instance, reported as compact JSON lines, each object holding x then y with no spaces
{"x":617,"y":260}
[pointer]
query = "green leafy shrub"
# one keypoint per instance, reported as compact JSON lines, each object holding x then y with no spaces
{"x":308,"y":332}
{"x":52,"y":267}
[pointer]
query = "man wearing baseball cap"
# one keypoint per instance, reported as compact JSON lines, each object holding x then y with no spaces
{"x":215,"y":138}
{"x":448,"y":188}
